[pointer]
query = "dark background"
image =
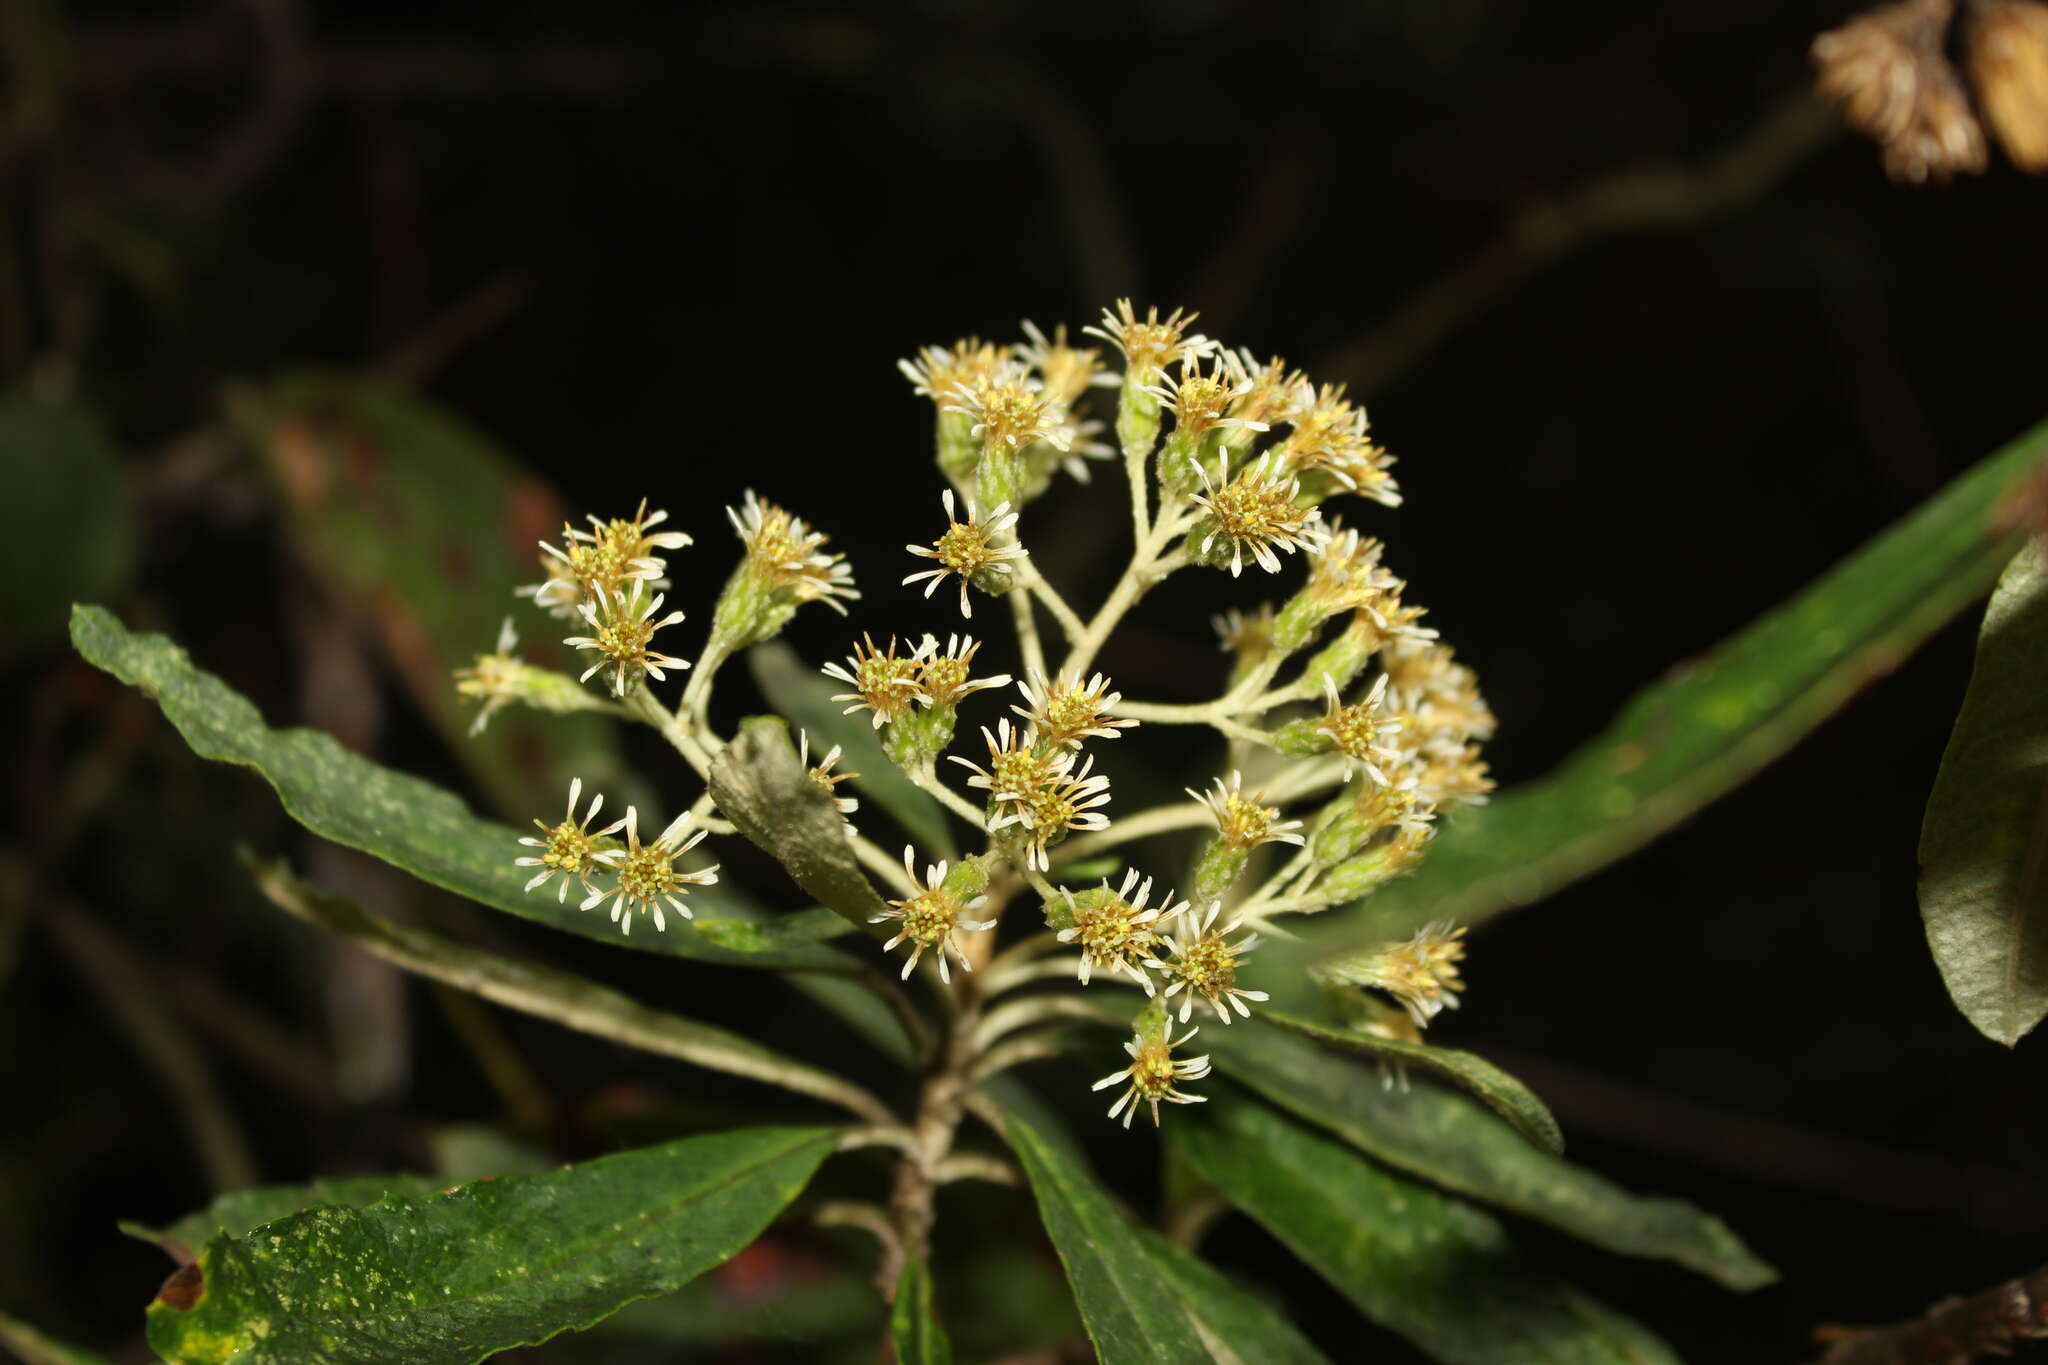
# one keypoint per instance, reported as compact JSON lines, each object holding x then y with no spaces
{"x":677,"y":251}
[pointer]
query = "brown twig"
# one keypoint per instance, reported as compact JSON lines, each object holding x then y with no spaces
{"x":1633,"y":201}
{"x":1954,"y":1331}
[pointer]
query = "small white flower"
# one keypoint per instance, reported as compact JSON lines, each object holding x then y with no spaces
{"x":968,"y":547}
{"x":569,"y":848}
{"x":932,"y":918}
{"x":1204,"y":963}
{"x":648,"y":878}
{"x":1152,"y":1075}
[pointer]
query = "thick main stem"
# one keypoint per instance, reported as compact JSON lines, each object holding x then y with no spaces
{"x":940,"y":1107}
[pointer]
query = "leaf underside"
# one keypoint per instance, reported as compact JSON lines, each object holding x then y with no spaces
{"x":1452,"y":1142}
{"x":409,"y":823}
{"x":1432,"y":1268}
{"x":1984,"y":843}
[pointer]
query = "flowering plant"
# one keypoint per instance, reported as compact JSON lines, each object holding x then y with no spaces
{"x":1026,"y":913}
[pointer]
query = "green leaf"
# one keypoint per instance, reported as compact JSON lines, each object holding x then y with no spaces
{"x":422,"y":525}
{"x":40,"y":1348}
{"x":1452,"y":1142}
{"x":1684,"y":742}
{"x":239,"y":1212}
{"x":801,"y":693}
{"x":1984,"y":845}
{"x":1236,"y":1326}
{"x":762,"y":788}
{"x":1436,"y":1270}
{"x":1491,"y":1086}
{"x":450,"y":1279}
{"x":1139,"y":1303}
{"x":66,"y":529}
{"x":566,"y":998}
{"x":915,"y":1331}
{"x":407,"y":822}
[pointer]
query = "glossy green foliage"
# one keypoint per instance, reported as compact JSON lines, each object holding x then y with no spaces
{"x":1452,"y":1142}
{"x":237,"y":1212}
{"x":66,"y":529}
{"x":1432,"y":1268}
{"x":1984,"y":845}
{"x":1141,"y":1298}
{"x":452,"y":1278}
{"x":409,"y":823}
{"x":913,"y":1325}
{"x":1487,"y":1083}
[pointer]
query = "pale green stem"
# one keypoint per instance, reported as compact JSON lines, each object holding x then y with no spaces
{"x":1007,"y":961}
{"x":1028,"y":645}
{"x":702,"y":818}
{"x":977,"y":1166}
{"x":877,"y":1135}
{"x":1025,"y":973}
{"x":648,"y":708}
{"x":1158,"y":820}
{"x":1136,"y":461}
{"x":1145,"y":571}
{"x":947,"y":797}
{"x":1304,"y":778}
{"x":890,"y":870}
{"x":696,"y":700}
{"x":1070,"y":622}
{"x":1015,"y":1053}
{"x":1009,"y":1018}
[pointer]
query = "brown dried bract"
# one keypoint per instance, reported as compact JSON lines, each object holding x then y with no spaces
{"x":184,"y":1288}
{"x":1887,"y":72}
{"x":2007,"y":47}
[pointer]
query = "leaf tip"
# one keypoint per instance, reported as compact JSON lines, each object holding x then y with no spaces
{"x":185,"y":1287}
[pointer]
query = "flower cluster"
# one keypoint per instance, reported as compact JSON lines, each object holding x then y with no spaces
{"x":1352,"y":728}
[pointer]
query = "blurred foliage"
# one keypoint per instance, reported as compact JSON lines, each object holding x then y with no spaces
{"x":55,"y":546}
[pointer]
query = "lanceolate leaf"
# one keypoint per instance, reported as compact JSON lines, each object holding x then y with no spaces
{"x":1494,"y":1088}
{"x":762,"y":788}
{"x":912,"y":1326}
{"x":800,"y":692}
{"x":237,"y":1212}
{"x":411,"y":824}
{"x":1236,"y":1327}
{"x":1452,"y":1142}
{"x":1984,"y":846}
{"x":1682,"y":743}
{"x":452,"y":1278}
{"x":1141,"y":1303}
{"x":564,"y":997}
{"x":1429,"y":1267}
